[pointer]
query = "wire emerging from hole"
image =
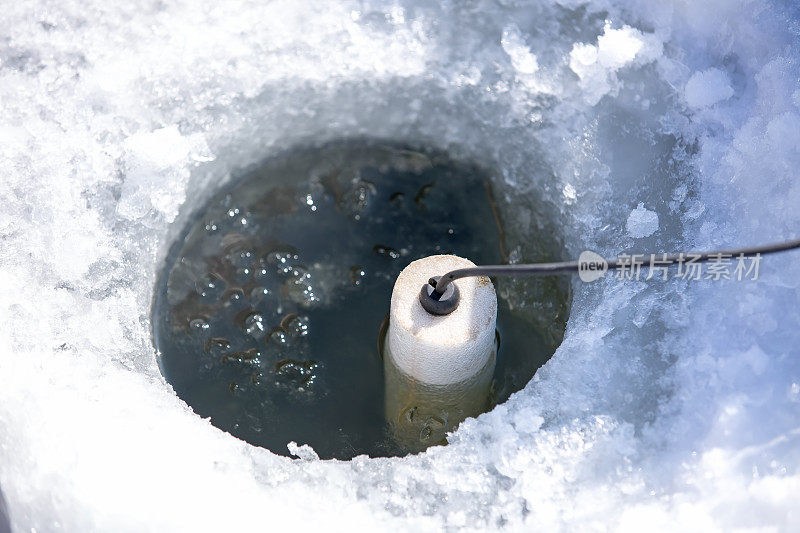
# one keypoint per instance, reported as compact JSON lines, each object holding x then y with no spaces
{"x":433,"y":293}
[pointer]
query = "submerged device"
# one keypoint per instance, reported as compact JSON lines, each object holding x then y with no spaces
{"x":438,"y":369}
{"x":440,"y":296}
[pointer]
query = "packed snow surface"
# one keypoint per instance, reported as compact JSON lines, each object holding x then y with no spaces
{"x":671,"y":405}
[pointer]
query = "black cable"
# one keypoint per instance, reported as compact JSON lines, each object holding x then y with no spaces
{"x":439,"y":286}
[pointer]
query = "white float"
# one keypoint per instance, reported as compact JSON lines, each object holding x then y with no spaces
{"x":438,"y":368}
{"x":448,"y":349}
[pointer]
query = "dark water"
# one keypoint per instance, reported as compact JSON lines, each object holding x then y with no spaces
{"x":267,"y":314}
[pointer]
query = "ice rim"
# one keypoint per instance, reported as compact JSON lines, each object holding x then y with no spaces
{"x":668,"y":405}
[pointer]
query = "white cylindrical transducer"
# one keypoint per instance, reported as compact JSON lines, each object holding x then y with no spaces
{"x":438,"y":368}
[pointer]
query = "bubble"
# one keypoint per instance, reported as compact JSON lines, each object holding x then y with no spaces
{"x":386,"y":251}
{"x":425,"y":433}
{"x":241,"y":258}
{"x":282,"y":261}
{"x":251,"y":357}
{"x":300,"y":292}
{"x":299,"y":274}
{"x":260,"y":295}
{"x":299,"y":374}
{"x":279,"y":337}
{"x":284,"y":366}
{"x":356,"y":198}
{"x":295,"y":325}
{"x":233,"y":296}
{"x":309,"y":201}
{"x":357,"y":275}
{"x":237,"y":218}
{"x":198,"y":325}
{"x":435,"y":422}
{"x":210,"y":287}
{"x":309,"y":382}
{"x":211,"y":226}
{"x":422,"y":194}
{"x":261,"y":274}
{"x":254,"y":325}
{"x":217,"y":345}
{"x":243,"y":275}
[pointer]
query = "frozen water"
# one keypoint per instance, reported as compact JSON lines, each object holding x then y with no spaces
{"x":597,"y":65}
{"x":707,"y":87}
{"x":669,"y":405}
{"x":642,"y":222}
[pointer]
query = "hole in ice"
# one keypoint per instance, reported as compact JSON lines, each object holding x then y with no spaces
{"x":267,"y":312}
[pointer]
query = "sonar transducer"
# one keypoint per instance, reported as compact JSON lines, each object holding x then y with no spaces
{"x":438,"y":367}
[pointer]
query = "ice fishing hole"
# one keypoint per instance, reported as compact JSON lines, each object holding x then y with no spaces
{"x":268,"y":308}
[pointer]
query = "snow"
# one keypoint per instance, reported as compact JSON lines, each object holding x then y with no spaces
{"x":641,"y":222}
{"x":597,"y":65}
{"x":149,"y":155}
{"x":669,"y":405}
{"x":522,"y":59}
{"x":707,"y":87}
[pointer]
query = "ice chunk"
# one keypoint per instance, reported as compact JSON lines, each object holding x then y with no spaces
{"x":641,"y":222}
{"x":706,"y":88}
{"x":617,"y":48}
{"x":304,"y":452}
{"x":148,"y":157}
{"x":159,"y":149}
{"x":597,"y":65}
{"x":523,"y":60}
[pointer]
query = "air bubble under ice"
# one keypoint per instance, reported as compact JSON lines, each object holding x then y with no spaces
{"x":669,"y":405}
